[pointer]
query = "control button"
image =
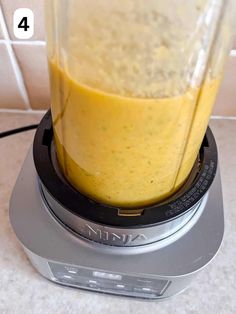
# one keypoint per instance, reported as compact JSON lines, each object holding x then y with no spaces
{"x":119,"y":286}
{"x":123,"y":287}
{"x":67,"y":276}
{"x":144,"y":290}
{"x":103,"y":275}
{"x":92,"y":283}
{"x":71,"y":270}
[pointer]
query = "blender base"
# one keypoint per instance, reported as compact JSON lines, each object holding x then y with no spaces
{"x":151,"y":271}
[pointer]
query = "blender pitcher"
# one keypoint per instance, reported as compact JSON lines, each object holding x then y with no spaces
{"x":132,"y":88}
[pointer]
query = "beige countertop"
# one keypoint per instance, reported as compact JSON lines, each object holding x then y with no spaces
{"x":23,"y":290}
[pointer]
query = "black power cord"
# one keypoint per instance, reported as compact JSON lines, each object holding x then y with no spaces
{"x":18,"y":130}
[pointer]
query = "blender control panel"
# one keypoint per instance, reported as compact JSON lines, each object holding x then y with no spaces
{"x":114,"y":283}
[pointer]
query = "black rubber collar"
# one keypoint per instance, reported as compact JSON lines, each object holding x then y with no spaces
{"x":75,"y":202}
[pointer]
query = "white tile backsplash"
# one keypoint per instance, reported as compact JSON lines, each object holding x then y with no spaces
{"x":35,"y":73}
{"x":226,"y":100}
{"x":10,"y":94}
{"x":14,"y":65}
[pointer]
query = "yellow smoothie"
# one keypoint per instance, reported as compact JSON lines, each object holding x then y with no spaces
{"x":126,"y":151}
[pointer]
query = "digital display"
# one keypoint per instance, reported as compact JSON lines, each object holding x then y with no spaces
{"x":107,"y":275}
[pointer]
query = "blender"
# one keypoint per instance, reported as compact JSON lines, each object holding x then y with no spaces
{"x":120,"y":192}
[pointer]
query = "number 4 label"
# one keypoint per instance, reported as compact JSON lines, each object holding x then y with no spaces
{"x":23,"y":23}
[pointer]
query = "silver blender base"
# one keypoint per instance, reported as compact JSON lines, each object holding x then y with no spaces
{"x":152,"y":271}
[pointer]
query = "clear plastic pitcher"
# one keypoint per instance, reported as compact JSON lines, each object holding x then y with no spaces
{"x":132,"y":88}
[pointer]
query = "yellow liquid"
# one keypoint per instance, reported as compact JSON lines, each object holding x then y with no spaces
{"x":127,"y":151}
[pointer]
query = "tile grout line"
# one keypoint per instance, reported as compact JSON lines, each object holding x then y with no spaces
{"x":29,"y":42}
{"x":16,"y":69}
{"x":24,"y":42}
{"x":216,"y":117}
{"x":22,"y":111}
